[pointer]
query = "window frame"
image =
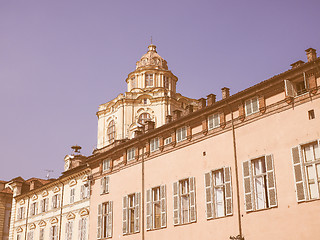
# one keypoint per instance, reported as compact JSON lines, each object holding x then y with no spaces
{"x":167,"y":141}
{"x":111,"y":131}
{"x":154,"y":144}
{"x":131,"y":154}
{"x":251,"y":103}
{"x":212,"y":121}
{"x":106,"y":164}
{"x":72,"y":195}
{"x":149,"y":80}
{"x":131,"y":212}
{"x":181,"y":134}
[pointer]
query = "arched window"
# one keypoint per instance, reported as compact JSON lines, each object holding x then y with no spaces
{"x":143,"y":118}
{"x":149,"y":80}
{"x":111,"y":131}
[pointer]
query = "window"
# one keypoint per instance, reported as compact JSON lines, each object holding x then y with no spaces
{"x":83,"y":229}
{"x":251,"y":106}
{"x":131,"y":213}
{"x":156,"y":208}
{"x":306,"y":163}
{"x":311,"y":114}
{"x":259,"y":183}
{"x":18,"y":236}
{"x":218,"y":193}
{"x":154,"y":144}
{"x":72,"y":193}
{"x":166,"y":82}
{"x":20,"y":213}
{"x":53,"y":233}
{"x":34,"y":208}
{"x":111,"y":131}
{"x":44,"y":204}
{"x":145,"y":101}
{"x":143,"y":118}
{"x":131,"y":154}
{"x":168,"y":140}
{"x":105,"y":220}
{"x":184,"y":201}
{"x":181,"y":134}
{"x":213,"y":121}
{"x":85,"y":191}
{"x":149,"y":80}
{"x":106,"y":164}
{"x":55,"y":201}
{"x":133,"y":82}
{"x":295,"y":88}
{"x":104,"y":184}
{"x":30,"y":235}
{"x":69,"y":228}
{"x":41,"y":234}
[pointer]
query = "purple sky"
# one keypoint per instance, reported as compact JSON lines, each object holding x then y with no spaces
{"x":60,"y":59}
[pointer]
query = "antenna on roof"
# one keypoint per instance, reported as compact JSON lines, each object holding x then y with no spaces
{"x":48,"y":173}
{"x":151,"y":40}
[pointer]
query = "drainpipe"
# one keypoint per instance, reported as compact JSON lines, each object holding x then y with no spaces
{"x":26,"y":232}
{"x":61,"y":208}
{"x":142,"y":193}
{"x":240,"y":237}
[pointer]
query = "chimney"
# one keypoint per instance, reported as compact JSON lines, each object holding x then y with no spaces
{"x":296,"y":64}
{"x":211,"y":99}
{"x":168,"y":118}
{"x":32,"y":185}
{"x":189,"y":108}
{"x":137,"y":133}
{"x":149,"y":125}
{"x":225,"y":92}
{"x":176,"y":114}
{"x":311,"y":54}
{"x":202,"y":103}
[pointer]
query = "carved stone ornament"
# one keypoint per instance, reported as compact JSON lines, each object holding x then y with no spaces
{"x":84,"y":212}
{"x":54,"y":220}
{"x":19,"y":229}
{"x":72,"y":182}
{"x":22,"y":202}
{"x":34,"y":197}
{"x":71,"y":216}
{"x":45,"y":193}
{"x":85,"y":178}
{"x":42,"y":223}
{"x":56,"y":189}
{"x":32,"y":226}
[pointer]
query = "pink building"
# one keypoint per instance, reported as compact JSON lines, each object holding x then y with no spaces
{"x":247,"y":166}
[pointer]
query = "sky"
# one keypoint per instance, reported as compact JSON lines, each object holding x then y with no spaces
{"x":61,"y":59}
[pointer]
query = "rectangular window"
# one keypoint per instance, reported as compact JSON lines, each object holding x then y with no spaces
{"x":131,"y":154}
{"x":213,"y":121}
{"x":149,"y":80}
{"x":154,"y":144}
{"x":306,"y":162}
{"x":105,"y":220}
{"x":44,"y":204}
{"x":34,"y":208}
{"x":53,"y":233}
{"x":83,"y":229}
{"x":156,"y":208}
{"x":166,"y":82}
{"x":30,"y":235}
{"x":184,"y":201}
{"x":69,"y":228}
{"x":131,"y":213}
{"x":55,"y":201}
{"x":41,"y":234}
{"x":259,"y":183}
{"x":295,"y":88}
{"x":168,"y":140}
{"x":104,"y":184}
{"x":20,"y":213}
{"x":18,"y":236}
{"x":85,"y":191}
{"x":251,"y":106}
{"x":72,"y":194}
{"x":181,"y":134}
{"x":106,"y":164}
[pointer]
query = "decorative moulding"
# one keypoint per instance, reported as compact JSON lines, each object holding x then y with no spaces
{"x":56,"y":189}
{"x":34,"y":197}
{"x":32,"y":226}
{"x":84,"y":212}
{"x":85,"y":178}
{"x":45,"y":193}
{"x":54,"y":220}
{"x":22,"y":202}
{"x":19,"y":229}
{"x":71,"y":216}
{"x":42,"y":223}
{"x":72,"y":182}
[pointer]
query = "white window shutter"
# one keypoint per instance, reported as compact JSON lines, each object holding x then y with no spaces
{"x":271,"y":182}
{"x":36,"y":208}
{"x":41,"y":206}
{"x":176,"y":204}
{"x":79,"y":229}
{"x":289,"y":88}
{"x":228,"y":190}
{"x":107,"y":184}
{"x":298,"y":174}
{"x":51,"y":233}
{"x":125,"y":215}
{"x":67,"y":230}
{"x":99,"y":225}
{"x":52,"y":202}
{"x":149,"y":209}
{"x":247,"y":183}
{"x":208,"y":194}
{"x":137,"y":213}
{"x":163,"y":205}
{"x":192,"y":188}
{"x":102,"y":184}
{"x":110,"y":211}
{"x":59,"y":200}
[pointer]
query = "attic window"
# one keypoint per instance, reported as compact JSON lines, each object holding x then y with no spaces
{"x":295,"y":88}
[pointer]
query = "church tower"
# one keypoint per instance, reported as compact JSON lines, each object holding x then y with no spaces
{"x":151,"y":96}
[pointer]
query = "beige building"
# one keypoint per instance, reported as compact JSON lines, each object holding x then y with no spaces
{"x":53,"y":209}
{"x":247,"y":166}
{"x":5,"y":210}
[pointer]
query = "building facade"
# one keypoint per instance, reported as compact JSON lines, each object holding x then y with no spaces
{"x":5,"y":210}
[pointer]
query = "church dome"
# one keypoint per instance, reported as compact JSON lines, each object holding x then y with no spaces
{"x":152,"y":59}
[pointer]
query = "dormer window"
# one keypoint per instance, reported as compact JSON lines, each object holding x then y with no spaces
{"x":149,"y":80}
{"x":251,"y":106}
{"x":295,"y":88}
